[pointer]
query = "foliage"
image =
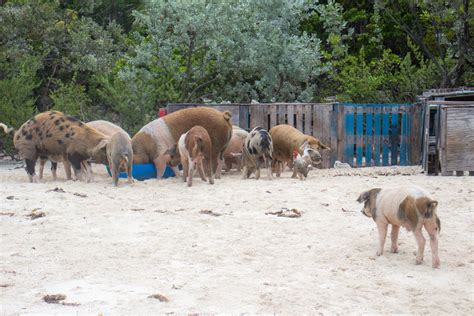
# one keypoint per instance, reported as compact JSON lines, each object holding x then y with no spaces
{"x":228,"y":50}
{"x":71,"y":98}
{"x":121,"y":60}
{"x":389,"y":79}
{"x":17,"y":83}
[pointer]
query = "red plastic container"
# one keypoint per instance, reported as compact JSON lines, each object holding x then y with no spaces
{"x":162,"y":112}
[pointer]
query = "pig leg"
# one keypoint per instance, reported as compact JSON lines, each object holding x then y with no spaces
{"x":207,"y":167}
{"x":278,"y":168}
{"x":268,"y":166}
{"x":115,"y":173}
{"x":191,"y":171}
{"x":245,"y":172}
{"x":420,"y":240}
{"x":67,"y":168}
{"x":220,"y":163}
{"x":76,"y":161}
{"x":433,"y":231}
{"x":30,"y":170}
{"x":394,"y":237}
{"x":160,"y":164}
{"x":176,"y":171}
{"x":129,"y":170}
{"x":185,"y":168}
{"x":54,"y":168}
{"x":90,"y":174}
{"x":42,"y":163}
{"x":200,"y":168}
{"x":294,"y":173}
{"x":382,"y":228}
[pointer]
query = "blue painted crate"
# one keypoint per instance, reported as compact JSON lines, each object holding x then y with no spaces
{"x":144,"y":171}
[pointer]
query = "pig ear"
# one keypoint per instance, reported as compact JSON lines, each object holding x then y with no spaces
{"x":101,"y":145}
{"x":426,"y":206}
{"x":322,"y":146}
{"x":364,"y":196}
{"x":407,"y":212}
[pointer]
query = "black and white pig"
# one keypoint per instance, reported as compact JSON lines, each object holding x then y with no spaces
{"x":257,"y":151}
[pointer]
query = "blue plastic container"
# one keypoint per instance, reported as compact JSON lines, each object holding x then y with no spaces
{"x":144,"y":171}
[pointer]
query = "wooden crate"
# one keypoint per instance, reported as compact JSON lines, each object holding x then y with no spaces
{"x":456,"y":140}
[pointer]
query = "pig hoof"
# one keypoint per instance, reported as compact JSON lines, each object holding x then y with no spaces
{"x":379,"y":253}
{"x":436,"y":264}
{"x":394,"y":250}
{"x":419,"y":261}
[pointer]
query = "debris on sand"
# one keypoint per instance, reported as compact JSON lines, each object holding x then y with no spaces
{"x":80,"y":195}
{"x":10,"y":197}
{"x":137,"y":209}
{"x":347,"y":211}
{"x":6,"y":214}
{"x":35,"y":214}
{"x":57,"y":299}
{"x":59,"y":190}
{"x":285,"y":212}
{"x":54,"y":298}
{"x":159,"y":297}
{"x":210,"y":212}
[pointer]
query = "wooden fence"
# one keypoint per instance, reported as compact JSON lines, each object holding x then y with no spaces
{"x":359,"y":134}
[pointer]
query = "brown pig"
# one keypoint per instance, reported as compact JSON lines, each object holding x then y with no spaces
{"x":411,"y":207}
{"x":195,"y":149}
{"x":286,"y":139}
{"x":53,"y":134}
{"x":154,"y":139}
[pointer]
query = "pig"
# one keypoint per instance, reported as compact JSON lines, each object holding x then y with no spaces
{"x":107,"y":128}
{"x":53,"y":134}
{"x":195,"y":148}
{"x":120,"y":153}
{"x":120,"y":146}
{"x":409,"y":206}
{"x":286,"y":139}
{"x":235,"y":146}
{"x":154,"y":139}
{"x":258,"y":150}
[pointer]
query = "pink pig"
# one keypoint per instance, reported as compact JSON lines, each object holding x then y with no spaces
{"x":411,"y":207}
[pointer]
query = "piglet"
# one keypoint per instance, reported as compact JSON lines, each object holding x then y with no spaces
{"x":195,"y":149}
{"x":409,"y":206}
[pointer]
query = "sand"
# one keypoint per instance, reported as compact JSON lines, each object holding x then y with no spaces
{"x":213,"y":248}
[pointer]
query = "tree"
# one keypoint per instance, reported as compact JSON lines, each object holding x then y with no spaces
{"x":227,"y":50}
{"x":442,"y":30}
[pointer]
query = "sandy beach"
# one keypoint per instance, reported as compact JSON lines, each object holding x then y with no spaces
{"x":214,"y":248}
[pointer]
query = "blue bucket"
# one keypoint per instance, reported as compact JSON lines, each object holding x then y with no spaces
{"x":144,"y":171}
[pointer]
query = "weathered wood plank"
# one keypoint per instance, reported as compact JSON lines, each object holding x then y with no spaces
{"x":349,"y":139}
{"x":334,"y":127}
{"x":291,"y":114}
{"x":385,"y":134}
{"x":308,"y":119}
{"x":299,"y":117}
{"x":377,"y":134}
{"x":368,"y":138}
{"x":441,"y":129}
{"x":404,"y":134}
{"x":359,"y":134}
{"x":459,"y":152}
{"x":272,"y":110}
{"x":282,"y":113}
{"x":394,"y":135}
